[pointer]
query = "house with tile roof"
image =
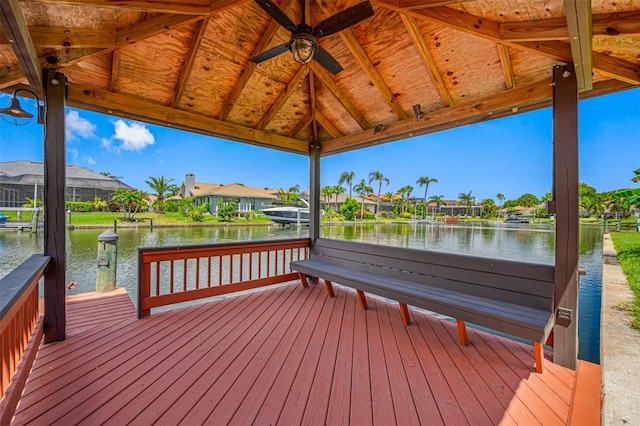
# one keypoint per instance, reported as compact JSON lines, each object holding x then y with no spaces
{"x":20,"y":180}
{"x":249,"y":198}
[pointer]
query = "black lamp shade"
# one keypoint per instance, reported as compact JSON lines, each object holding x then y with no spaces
{"x":15,"y":109}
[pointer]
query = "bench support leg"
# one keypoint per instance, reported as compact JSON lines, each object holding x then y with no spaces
{"x":329,"y":287}
{"x":462,"y":333}
{"x":303,"y":280}
{"x":539,"y":352}
{"x":362,"y":299}
{"x":404,"y":313}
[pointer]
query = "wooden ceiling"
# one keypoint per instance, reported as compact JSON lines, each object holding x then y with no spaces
{"x":185,"y":64}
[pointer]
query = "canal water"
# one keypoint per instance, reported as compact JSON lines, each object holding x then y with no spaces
{"x":528,"y":243}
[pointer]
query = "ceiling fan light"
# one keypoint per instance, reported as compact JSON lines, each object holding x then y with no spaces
{"x":303,"y":49}
{"x":15,"y":109}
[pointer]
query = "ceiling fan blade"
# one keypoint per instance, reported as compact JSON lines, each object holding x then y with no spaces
{"x":276,"y":13}
{"x":271,"y":53}
{"x":344,"y":19}
{"x":325,"y":59}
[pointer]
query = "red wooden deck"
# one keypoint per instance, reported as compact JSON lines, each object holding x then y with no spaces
{"x":289,"y":356}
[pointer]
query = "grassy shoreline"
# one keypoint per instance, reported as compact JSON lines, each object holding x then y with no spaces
{"x":627,"y":245}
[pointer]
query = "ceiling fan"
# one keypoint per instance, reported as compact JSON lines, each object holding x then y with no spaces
{"x":303,"y":43}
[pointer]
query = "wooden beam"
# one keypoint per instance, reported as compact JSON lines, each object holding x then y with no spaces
{"x":612,"y":24}
{"x":67,"y":37}
{"x":490,"y":30}
{"x":192,"y":7}
{"x":507,"y":69}
{"x":578,"y":15}
{"x":459,"y":114}
{"x":16,"y":31}
{"x":302,"y":124}
{"x":327,"y":125}
{"x":365,"y":63}
{"x":314,"y":121}
{"x":565,"y":206}
{"x":284,"y":96}
{"x":423,"y":4}
{"x":326,"y":79}
{"x":198,"y":35}
{"x":250,"y":68}
{"x":13,"y":74}
{"x":115,"y":66}
{"x":54,"y":206}
{"x":432,"y":68}
{"x":99,"y":100}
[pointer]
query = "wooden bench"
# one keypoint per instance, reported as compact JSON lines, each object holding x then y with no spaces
{"x":515,"y":298}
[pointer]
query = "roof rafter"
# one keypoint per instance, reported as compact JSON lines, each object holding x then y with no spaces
{"x":365,"y":63}
{"x":578,"y":14}
{"x":490,"y":30}
{"x":250,"y":68}
{"x":327,"y":125}
{"x":314,"y":120}
{"x":306,"y":120}
{"x":325,"y":78}
{"x":507,"y":68}
{"x":103,"y":101}
{"x":423,"y":50}
{"x":189,"y":63}
{"x":291,"y":87}
{"x":15,"y":28}
{"x":556,"y":28}
{"x":67,"y":37}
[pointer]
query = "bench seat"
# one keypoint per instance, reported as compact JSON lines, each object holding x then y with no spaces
{"x":510,"y":297}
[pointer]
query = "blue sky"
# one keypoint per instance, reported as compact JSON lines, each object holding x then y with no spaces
{"x":511,"y":156}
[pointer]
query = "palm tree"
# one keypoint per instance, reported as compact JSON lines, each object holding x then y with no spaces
{"x":337,"y":190}
{"x":405,"y":190}
{"x":362,"y":189}
{"x":500,"y":198}
{"x":379,"y":177}
{"x":326,"y":192}
{"x":425,"y":180}
{"x":438,"y":199}
{"x":466,"y":199}
{"x":162,"y":187}
{"x":347,"y":177}
{"x":129,"y":198}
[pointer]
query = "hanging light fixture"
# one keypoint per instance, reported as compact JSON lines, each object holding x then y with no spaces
{"x":303,"y":46}
{"x":15,"y":110}
{"x":417,"y":110}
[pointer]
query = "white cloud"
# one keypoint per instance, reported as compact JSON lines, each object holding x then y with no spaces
{"x":78,"y":127}
{"x":91,"y":161}
{"x":134,"y":136}
{"x":72,"y":154}
{"x":107,"y":144}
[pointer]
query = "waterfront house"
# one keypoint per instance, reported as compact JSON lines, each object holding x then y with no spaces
{"x":20,"y":180}
{"x":249,"y":198}
{"x":254,"y":72}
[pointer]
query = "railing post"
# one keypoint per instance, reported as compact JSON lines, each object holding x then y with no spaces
{"x":144,"y":284}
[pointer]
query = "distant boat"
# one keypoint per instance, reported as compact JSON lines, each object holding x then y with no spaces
{"x":287,"y":215}
{"x":516,"y":219}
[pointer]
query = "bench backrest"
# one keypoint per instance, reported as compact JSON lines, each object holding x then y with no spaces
{"x":527,"y":284}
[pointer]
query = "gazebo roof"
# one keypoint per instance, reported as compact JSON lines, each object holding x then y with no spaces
{"x":187,"y":64}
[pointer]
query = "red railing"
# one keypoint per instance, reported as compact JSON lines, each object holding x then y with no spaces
{"x":19,"y":321}
{"x":169,"y":275}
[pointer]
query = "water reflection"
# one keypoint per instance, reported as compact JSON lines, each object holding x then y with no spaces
{"x":529,"y":243}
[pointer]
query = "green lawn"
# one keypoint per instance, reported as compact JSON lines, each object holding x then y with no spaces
{"x":627,"y":246}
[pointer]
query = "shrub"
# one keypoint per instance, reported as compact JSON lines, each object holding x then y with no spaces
{"x":113,"y":206}
{"x":349,"y":209}
{"x":79,"y":206}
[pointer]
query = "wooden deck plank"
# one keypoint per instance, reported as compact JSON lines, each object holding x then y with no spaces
{"x":287,"y":355}
{"x":361,"y":411}
{"x":279,"y":363}
{"x":165,"y":367}
{"x":240,"y":375}
{"x":381,"y":398}
{"x":464,"y":394}
{"x":318,"y":401}
{"x":179,"y":398}
{"x":404,"y":405}
{"x":340,"y":396}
